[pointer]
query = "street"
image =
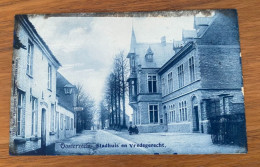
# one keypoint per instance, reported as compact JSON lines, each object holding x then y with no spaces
{"x":105,"y":142}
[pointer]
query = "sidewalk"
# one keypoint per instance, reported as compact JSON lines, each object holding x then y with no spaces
{"x":180,"y":143}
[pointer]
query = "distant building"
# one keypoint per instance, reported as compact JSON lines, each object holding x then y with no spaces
{"x":177,"y":87}
{"x":65,"y":114}
{"x":40,"y":112}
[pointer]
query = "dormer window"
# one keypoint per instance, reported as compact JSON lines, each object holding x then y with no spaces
{"x":149,"y":55}
{"x":68,"y":89}
{"x":133,"y":64}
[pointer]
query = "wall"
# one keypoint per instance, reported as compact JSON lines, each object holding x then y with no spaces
{"x":62,"y":133}
{"x":35,"y":86}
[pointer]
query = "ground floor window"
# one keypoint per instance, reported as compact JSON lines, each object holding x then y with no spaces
{"x":34,"y":115}
{"x":61,"y":121}
{"x":183,"y":114}
{"x":71,"y":124}
{"x":67,"y":123}
{"x":172,"y":117}
{"x":57,"y":121}
{"x":153,"y":113}
{"x":20,"y":110}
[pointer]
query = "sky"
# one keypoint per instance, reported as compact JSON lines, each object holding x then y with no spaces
{"x":86,"y":46}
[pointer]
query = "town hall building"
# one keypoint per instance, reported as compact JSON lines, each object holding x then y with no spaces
{"x":177,"y":87}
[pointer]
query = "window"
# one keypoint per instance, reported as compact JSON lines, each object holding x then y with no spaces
{"x":52,"y":117}
{"x":226,"y":105}
{"x":21,"y":108}
{"x":181,"y":76}
{"x":153,"y":113}
{"x":67,"y":123}
{"x":183,"y":111}
{"x":34,"y":116}
{"x":149,"y":57}
{"x":163,"y":87}
{"x":29,"y":67}
{"x":133,"y":64}
{"x":170,"y":83}
{"x":152,"y":84}
{"x":161,"y":121}
{"x":132,"y":88}
{"x":49,"y":77}
{"x":180,"y":109}
{"x":57,"y":121}
{"x":71,"y":123}
{"x":172,"y":113}
{"x":61,"y":121}
{"x":192,"y":72}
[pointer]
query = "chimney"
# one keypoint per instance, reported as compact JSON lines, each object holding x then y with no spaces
{"x":163,"y":41}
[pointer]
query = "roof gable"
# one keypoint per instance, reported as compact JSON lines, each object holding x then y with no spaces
{"x":23,"y":19}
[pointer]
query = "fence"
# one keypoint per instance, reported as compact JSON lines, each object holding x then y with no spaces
{"x":228,"y":129}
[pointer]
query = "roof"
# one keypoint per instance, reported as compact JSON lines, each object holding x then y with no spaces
{"x":189,"y":46}
{"x":202,"y":21}
{"x":201,"y":24}
{"x":178,"y":44}
{"x":161,"y":54}
{"x":222,"y":30}
{"x":31,"y":29}
{"x":64,"y":100}
{"x":189,"y":34}
{"x":220,"y":19}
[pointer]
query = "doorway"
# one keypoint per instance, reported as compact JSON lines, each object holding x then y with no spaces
{"x":195,"y":119}
{"x":43,"y":130}
{"x":166,"y":119}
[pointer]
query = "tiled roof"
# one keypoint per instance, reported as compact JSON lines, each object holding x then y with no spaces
{"x":189,"y":34}
{"x":202,"y":21}
{"x":161,"y":54}
{"x":64,"y":100}
{"x":32,"y":28}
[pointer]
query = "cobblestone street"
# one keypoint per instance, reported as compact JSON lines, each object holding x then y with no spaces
{"x":102,"y":142}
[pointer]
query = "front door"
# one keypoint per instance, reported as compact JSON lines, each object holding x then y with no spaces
{"x":195,"y":119}
{"x":165,"y":119}
{"x":43,"y":130}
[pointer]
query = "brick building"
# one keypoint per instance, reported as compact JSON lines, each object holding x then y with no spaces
{"x":37,"y":103}
{"x":178,"y":86}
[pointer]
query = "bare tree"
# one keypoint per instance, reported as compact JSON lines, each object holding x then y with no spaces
{"x":123,"y":85}
{"x":104,"y":113}
{"x":115,"y":92}
{"x":84,"y":117}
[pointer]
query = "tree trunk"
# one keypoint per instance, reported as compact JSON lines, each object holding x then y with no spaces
{"x":115,"y":100}
{"x":112,"y":108}
{"x":123,"y":95}
{"x":119,"y":99}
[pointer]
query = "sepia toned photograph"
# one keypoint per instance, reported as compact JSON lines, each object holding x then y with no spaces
{"x":147,"y":83}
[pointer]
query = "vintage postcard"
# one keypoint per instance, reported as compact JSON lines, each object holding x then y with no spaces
{"x":127,"y":83}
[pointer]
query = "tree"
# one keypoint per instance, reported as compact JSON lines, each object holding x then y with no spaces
{"x":84,"y":117}
{"x":122,"y":62}
{"x":104,"y":113}
{"x":115,"y":92}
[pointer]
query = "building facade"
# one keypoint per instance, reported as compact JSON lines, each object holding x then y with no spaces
{"x":177,"y":87}
{"x":34,"y":104}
